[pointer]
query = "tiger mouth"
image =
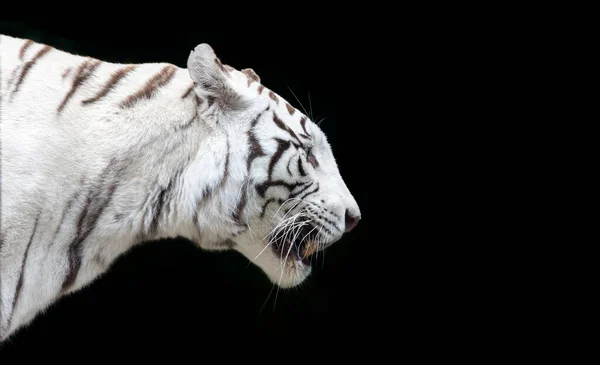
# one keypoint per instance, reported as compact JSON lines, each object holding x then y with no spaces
{"x":298,"y":245}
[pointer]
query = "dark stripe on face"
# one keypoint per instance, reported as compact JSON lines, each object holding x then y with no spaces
{"x":282,"y":146}
{"x":303,"y":124}
{"x":283,"y":126}
{"x":21,"y":274}
{"x":318,"y":215}
{"x":85,"y":70}
{"x":323,"y":227}
{"x":260,"y":89}
{"x":114,"y":79}
{"x":96,"y":202}
{"x":290,"y":109}
{"x":273,"y":96}
{"x":304,"y":188}
{"x":24,"y":48}
{"x":310,"y":192}
{"x":264,"y":208}
{"x":187,"y":92}
{"x":256,"y":150}
{"x":29,"y":64}
{"x":251,"y":75}
{"x":288,"y":167}
{"x":300,"y":168}
{"x":151,"y":87}
{"x":318,"y":218}
{"x":263,"y":187}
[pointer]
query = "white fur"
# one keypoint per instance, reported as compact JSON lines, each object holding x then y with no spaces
{"x":50,"y":159}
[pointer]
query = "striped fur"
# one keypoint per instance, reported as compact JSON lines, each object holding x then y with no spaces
{"x":98,"y":157}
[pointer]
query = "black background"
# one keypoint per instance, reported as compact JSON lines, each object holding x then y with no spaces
{"x":170,"y":294}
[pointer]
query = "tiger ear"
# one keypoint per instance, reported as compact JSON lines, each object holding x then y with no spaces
{"x":211,"y":79}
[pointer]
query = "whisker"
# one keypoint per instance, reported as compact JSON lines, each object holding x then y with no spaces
{"x":282,"y":204}
{"x":310,"y":107}
{"x":281,"y":229}
{"x":268,"y":296}
{"x":320,"y":241}
{"x":298,"y":100}
{"x":282,"y":222}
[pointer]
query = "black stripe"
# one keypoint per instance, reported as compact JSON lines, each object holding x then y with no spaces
{"x":96,"y":202}
{"x":151,"y":87}
{"x":324,"y":218}
{"x":288,"y":167}
{"x":64,"y":214}
{"x":110,"y":84}
{"x":304,"y":188}
{"x":256,"y":150}
{"x":286,"y":128}
{"x":28,"y":66}
{"x":158,"y":207}
{"x":303,"y":124}
{"x":263,"y":187}
{"x":208,"y":191}
{"x":226,"y":172}
{"x":24,"y":48}
{"x":317,"y":216}
{"x":324,"y":227}
{"x":264,"y":208}
{"x":310,"y":193}
{"x":281,"y":148}
{"x":300,"y":168}
{"x":304,"y":196}
{"x":21,"y":274}
{"x":239,"y":210}
{"x":85,"y":70}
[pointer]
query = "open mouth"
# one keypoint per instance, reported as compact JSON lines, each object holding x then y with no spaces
{"x":296,"y":245}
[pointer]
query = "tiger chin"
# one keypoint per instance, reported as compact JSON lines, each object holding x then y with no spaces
{"x":98,"y":157}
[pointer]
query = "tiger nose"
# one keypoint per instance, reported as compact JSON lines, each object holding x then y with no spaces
{"x":351,"y":220}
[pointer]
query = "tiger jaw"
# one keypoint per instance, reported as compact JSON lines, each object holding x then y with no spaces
{"x":297,"y":246}
{"x":296,"y":251}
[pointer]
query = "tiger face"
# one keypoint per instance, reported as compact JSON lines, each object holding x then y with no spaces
{"x":291,"y":200}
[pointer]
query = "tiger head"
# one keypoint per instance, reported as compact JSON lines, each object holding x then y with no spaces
{"x":285,"y":199}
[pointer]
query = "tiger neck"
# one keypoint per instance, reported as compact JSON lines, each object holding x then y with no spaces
{"x":193,"y":187}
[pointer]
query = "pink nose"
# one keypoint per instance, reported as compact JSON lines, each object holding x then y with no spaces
{"x":351,"y":221}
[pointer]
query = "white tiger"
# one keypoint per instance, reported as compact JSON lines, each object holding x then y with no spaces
{"x":98,"y":157}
